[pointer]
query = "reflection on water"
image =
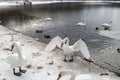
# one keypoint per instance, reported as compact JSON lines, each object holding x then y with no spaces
{"x":64,"y":16}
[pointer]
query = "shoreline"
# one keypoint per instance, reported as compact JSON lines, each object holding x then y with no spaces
{"x":50,"y":63}
{"x":15,"y":3}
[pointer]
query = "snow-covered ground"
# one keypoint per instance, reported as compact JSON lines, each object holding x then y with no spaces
{"x":44,"y":66}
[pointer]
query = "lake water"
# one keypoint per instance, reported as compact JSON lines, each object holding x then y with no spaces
{"x":64,"y":17}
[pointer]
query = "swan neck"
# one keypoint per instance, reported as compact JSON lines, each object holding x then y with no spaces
{"x":18,"y":49}
{"x":73,"y":76}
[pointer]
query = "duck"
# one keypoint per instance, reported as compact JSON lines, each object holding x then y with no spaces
{"x":16,"y":59}
{"x":80,"y":77}
{"x":56,"y":42}
{"x":63,"y":44}
{"x":107,"y":26}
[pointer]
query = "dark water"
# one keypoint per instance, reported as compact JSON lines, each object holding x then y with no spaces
{"x":64,"y":16}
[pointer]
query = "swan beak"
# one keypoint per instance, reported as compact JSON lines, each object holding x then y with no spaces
{"x":61,"y":45}
{"x":59,"y":76}
{"x":12,"y":48}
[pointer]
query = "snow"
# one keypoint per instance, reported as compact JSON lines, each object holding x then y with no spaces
{"x":44,"y":66}
{"x":14,"y":3}
{"x":110,"y":34}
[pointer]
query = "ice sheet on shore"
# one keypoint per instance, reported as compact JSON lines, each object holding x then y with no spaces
{"x":110,"y":34}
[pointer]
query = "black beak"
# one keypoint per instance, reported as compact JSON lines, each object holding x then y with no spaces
{"x":65,"y":41}
{"x":12,"y":48}
{"x":61,"y":45}
{"x":59,"y":76}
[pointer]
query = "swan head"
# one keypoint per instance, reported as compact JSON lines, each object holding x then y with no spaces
{"x":83,"y":39}
{"x":64,"y":72}
{"x":61,"y":73}
{"x":12,"y":46}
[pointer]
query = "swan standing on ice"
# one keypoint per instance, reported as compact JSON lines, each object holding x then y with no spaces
{"x":80,"y":77}
{"x":17,"y":59}
{"x":80,"y":45}
{"x":107,"y":26}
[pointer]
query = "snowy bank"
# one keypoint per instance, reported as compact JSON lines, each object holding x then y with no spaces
{"x":42,"y":65}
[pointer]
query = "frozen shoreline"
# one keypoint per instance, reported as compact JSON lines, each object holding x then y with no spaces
{"x":45,"y":66}
{"x":13,"y":3}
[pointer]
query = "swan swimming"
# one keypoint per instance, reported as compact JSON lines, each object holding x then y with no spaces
{"x":79,"y":45}
{"x":17,"y":59}
{"x":48,"y":19}
{"x":107,"y":25}
{"x":80,"y":77}
{"x":81,"y":23}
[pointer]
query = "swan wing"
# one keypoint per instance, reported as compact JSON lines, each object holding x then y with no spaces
{"x":88,"y":77}
{"x":81,"y":46}
{"x":56,"y":41}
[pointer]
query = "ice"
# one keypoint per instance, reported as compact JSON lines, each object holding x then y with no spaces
{"x":110,"y":34}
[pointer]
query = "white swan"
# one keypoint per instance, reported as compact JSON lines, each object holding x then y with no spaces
{"x":17,"y":59}
{"x":79,"y":45}
{"x":81,"y":23}
{"x":107,"y":25}
{"x":55,"y":42}
{"x":80,"y":77}
{"x":48,"y":19}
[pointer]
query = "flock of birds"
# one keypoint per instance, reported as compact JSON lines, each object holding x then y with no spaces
{"x":106,"y":26}
{"x":17,"y":60}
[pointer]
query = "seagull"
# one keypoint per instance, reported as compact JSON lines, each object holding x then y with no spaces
{"x":79,"y":45}
{"x":16,"y":59}
{"x":80,"y":77}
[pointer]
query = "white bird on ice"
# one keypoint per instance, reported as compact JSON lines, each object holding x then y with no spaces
{"x":80,"y":77}
{"x":16,"y":59}
{"x":79,"y":45}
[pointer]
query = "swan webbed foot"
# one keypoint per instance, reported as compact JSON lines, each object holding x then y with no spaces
{"x":22,"y":71}
{"x":17,"y":74}
{"x":65,"y":60}
{"x":71,"y":60}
